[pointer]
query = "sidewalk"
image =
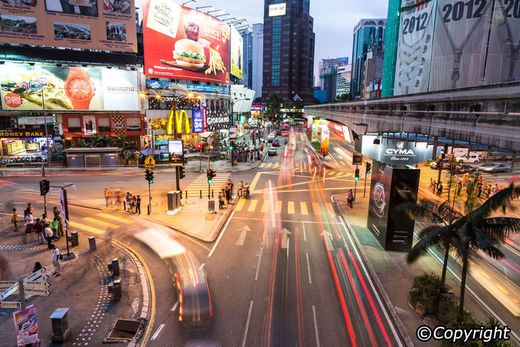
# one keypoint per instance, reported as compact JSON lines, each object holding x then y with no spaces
{"x":392,"y":271}
{"x":82,"y":287}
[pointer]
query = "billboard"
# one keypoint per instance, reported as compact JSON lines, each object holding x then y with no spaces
{"x":26,"y":326}
{"x":46,"y":87}
{"x":87,"y":24}
{"x":276,"y":10}
{"x":183,"y":43}
{"x":459,"y":44}
{"x":502,"y":63}
{"x":396,"y":151}
{"x":413,"y":64}
{"x":390,"y":189}
{"x":237,"y":48}
{"x":197,"y":120}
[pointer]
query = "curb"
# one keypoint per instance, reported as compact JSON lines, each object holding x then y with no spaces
{"x":388,"y":303}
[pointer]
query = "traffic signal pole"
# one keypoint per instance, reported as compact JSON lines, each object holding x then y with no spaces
{"x":149,"y":198}
{"x":43,"y":174}
{"x":365,"y":184}
{"x":355,"y":182}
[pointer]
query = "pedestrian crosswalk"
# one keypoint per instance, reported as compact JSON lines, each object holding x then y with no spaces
{"x":99,"y":223}
{"x":201,"y":182}
{"x":290,"y":207}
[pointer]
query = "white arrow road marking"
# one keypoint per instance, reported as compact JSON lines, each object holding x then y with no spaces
{"x":242,"y":237}
{"x":161,"y":327}
{"x":285,"y":238}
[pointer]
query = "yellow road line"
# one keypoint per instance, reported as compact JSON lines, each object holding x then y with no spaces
{"x":303,"y":208}
{"x":85,"y":227}
{"x":240,"y":205}
{"x":100,"y":222}
{"x":115,"y":218}
{"x":290,"y":207}
{"x":252,"y":206}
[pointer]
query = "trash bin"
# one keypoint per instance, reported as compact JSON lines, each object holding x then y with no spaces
{"x":74,"y":238}
{"x":174,"y":200}
{"x":60,"y":325}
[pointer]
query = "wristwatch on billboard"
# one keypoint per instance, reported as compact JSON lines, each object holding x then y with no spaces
{"x":79,"y":88}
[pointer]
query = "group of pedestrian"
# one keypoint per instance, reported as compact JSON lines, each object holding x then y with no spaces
{"x":246,"y":153}
{"x":350,"y":198}
{"x":132,"y":203}
{"x":470,"y":182}
{"x":225,"y":196}
{"x":436,"y":187}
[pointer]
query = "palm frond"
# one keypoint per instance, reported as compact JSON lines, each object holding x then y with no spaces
{"x":425,"y":210}
{"x":501,"y":200}
{"x":429,"y":236}
{"x":500,"y":226}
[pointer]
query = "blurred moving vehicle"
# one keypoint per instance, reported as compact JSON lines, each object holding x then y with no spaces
{"x":495,"y":167}
{"x":272,"y":152}
{"x":276,"y":143}
{"x":195,"y":306}
{"x":471,"y":158}
{"x":464,"y":168}
{"x":285,"y":133}
{"x":271,"y":137}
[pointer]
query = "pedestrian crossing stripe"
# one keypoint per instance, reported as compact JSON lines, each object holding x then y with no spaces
{"x":84,"y":227}
{"x":201,"y":182}
{"x":100,"y":222}
{"x":252,"y":206}
{"x":115,"y":218}
{"x":290,"y":207}
{"x":240,"y":204}
{"x":303,"y":209}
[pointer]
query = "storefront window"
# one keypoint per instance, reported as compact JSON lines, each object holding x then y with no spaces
{"x":104,"y":124}
{"x":133,"y":124}
{"x":74,"y":124}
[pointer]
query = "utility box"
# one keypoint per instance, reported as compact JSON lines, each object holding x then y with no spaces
{"x":174,"y":201}
{"x":74,"y":238}
{"x":60,"y":325}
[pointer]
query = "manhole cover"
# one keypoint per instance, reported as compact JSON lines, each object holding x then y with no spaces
{"x":124,"y":329}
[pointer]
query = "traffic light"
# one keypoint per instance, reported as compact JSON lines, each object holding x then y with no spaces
{"x":369,"y":168}
{"x":45,"y":186}
{"x":211,"y":174}
{"x":232,"y":146}
{"x":148,"y":174}
{"x":356,"y":175}
{"x":182,"y":172}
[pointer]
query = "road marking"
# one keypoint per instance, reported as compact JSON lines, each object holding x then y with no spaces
{"x":308,"y":267}
{"x":115,"y":218}
{"x":278,"y":207}
{"x":202,"y":266}
{"x":304,"y":233}
{"x":244,"y":340}
{"x":157,"y":332}
{"x":252,"y":206}
{"x":316,"y":207}
{"x":258,"y":264}
{"x":240,"y":205}
{"x":86,"y":227}
{"x":255,"y":181}
{"x":174,"y":307}
{"x":290,"y":207}
{"x":242,"y":238}
{"x":221,"y":234}
{"x":100,"y":222}
{"x":316,"y":326}
{"x":264,"y":207}
{"x":304,"y":210}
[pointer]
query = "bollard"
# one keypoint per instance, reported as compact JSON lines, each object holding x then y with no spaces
{"x":212,"y":195}
{"x":116,"y":290}
{"x":186,"y":194}
{"x":60,"y":325}
{"x":115,"y":267}
{"x":92,"y":243}
{"x":74,"y":238}
{"x":201,"y":193}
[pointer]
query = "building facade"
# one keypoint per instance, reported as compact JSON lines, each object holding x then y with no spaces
{"x":258,"y":59}
{"x":367,"y":58}
{"x":329,"y":76}
{"x":247,"y":40}
{"x":288,"y":50}
{"x":344,"y":75}
{"x":391,"y":40}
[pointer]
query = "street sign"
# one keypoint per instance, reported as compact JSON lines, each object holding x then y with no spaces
{"x":36,"y":284}
{"x":9,"y":291}
{"x":357,"y":159}
{"x":37,"y":292}
{"x":149,"y":162}
{"x":10,"y":304}
{"x":37,"y":275}
{"x":6,"y":284}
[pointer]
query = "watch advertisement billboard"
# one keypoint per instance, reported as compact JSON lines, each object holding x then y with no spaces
{"x":460,"y":43}
{"x":87,"y":24}
{"x":237,"y":47}
{"x":391,"y":188}
{"x":46,"y":87}
{"x":396,"y":151}
{"x":413,"y":64}
{"x":183,"y":43}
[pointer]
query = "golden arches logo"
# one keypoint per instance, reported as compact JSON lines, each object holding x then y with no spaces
{"x":182,"y":123}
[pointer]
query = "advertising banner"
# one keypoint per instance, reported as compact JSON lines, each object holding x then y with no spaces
{"x":87,"y":24}
{"x":170,"y":85}
{"x":413,"y":64}
{"x":237,"y":47}
{"x":197,"y":120}
{"x":325,"y":139}
{"x":176,"y":150}
{"x":26,"y":326}
{"x":503,"y":63}
{"x":459,"y":44}
{"x":276,"y":10}
{"x":390,"y":189}
{"x":183,"y":43}
{"x":45,"y":87}
{"x":396,"y":151}
{"x":217,"y":121}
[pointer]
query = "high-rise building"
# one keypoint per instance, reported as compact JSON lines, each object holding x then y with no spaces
{"x":288,"y":50}
{"x":258,"y":59}
{"x":328,"y":76}
{"x":367,"y":58}
{"x":391,"y":40}
{"x":344,"y":75}
{"x":247,"y":39}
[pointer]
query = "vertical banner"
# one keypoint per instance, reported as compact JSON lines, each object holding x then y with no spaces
{"x":459,"y":44}
{"x":379,"y":200}
{"x":413,"y":64}
{"x":26,"y":326}
{"x":197,"y":121}
{"x":325,"y":137}
{"x":503,"y":60}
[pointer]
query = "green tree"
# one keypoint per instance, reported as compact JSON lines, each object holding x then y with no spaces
{"x":274,"y":104}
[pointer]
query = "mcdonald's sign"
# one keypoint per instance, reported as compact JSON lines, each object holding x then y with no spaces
{"x":181,"y":121}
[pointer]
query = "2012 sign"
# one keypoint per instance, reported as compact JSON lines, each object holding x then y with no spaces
{"x":459,"y":10}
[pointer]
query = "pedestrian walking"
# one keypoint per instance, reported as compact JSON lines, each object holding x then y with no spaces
{"x":479,"y":189}
{"x":126,"y":202}
{"x":131,"y":204}
{"x":432,"y":184}
{"x":439,"y":189}
{"x":38,"y":229}
{"x":29,"y":221}
{"x":119,"y":199}
{"x":55,"y":225}
{"x":48,"y":235}
{"x":434,"y":187}
{"x":488,"y":191}
{"x":459,"y":187}
{"x":220,"y":200}
{"x":350,"y":198}
{"x":37,"y":266}
{"x":240,"y":189}
{"x":28,"y":210}
{"x":107,"y":196}
{"x":495,"y":189}
{"x":138,"y":204}
{"x":55,"y":259}
{"x":14,"y":219}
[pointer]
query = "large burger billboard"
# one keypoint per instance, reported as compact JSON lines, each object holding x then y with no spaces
{"x":182,"y":43}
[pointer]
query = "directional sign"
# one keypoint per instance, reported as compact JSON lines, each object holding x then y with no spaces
{"x":9,"y":291}
{"x":36,"y":275}
{"x":10,"y":304}
{"x":36,"y":284}
{"x":6,"y":284}
{"x":37,"y":292}
{"x":149,"y":162}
